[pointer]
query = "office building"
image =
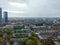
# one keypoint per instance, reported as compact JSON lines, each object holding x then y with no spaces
{"x":6,"y":17}
{"x":0,"y":15}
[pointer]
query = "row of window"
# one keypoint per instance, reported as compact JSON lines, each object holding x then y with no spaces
{"x":48,"y":31}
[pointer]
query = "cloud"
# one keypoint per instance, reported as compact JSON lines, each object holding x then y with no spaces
{"x":15,"y":4}
{"x":34,"y":8}
{"x":44,"y":8}
{"x":9,"y":11}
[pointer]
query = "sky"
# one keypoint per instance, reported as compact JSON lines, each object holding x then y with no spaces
{"x":31,"y":8}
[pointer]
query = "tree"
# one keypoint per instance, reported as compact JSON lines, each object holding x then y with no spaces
{"x":43,"y":43}
{"x":9,"y":36}
{"x":2,"y":41}
{"x":35,"y":40}
{"x":11,"y":42}
{"x":30,"y":27}
{"x":19,"y":36}
{"x":7,"y":31}
{"x":22,"y":43}
{"x":1,"y":34}
{"x":33,"y":34}
{"x":30,"y":42}
{"x":52,"y":42}
{"x":18,"y":27}
{"x":59,"y":40}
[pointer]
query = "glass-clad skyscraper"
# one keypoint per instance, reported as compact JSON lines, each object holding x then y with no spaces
{"x":0,"y":15}
{"x":6,"y":17}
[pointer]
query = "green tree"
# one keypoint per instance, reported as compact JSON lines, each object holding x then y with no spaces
{"x":30,"y":42}
{"x":30,"y":27}
{"x":19,"y":36}
{"x":7,"y":31}
{"x":11,"y":42}
{"x":18,"y":27}
{"x":9,"y":36}
{"x":52,"y":42}
{"x":33,"y":34}
{"x":2,"y":41}
{"x":1,"y":34}
{"x":35,"y":40}
{"x":22,"y":43}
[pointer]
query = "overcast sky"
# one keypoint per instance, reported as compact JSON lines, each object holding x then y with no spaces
{"x":31,"y":8}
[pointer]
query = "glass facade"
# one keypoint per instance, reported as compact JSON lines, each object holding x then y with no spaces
{"x":0,"y":15}
{"x":6,"y":17}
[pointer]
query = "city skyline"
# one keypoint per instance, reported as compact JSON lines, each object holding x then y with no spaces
{"x":31,"y":8}
{"x":4,"y":18}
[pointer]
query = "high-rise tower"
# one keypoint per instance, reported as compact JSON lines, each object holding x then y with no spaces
{"x":6,"y":17}
{"x":0,"y":15}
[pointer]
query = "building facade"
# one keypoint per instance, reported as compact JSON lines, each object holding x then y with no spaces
{"x":0,"y":15}
{"x":6,"y":17}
